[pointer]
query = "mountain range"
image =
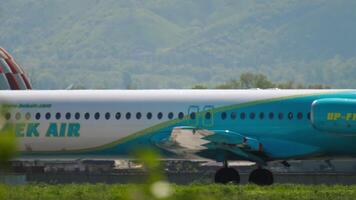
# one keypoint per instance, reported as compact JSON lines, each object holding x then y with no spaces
{"x":180,"y":43}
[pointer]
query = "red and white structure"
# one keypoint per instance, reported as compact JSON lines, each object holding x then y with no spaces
{"x":12,"y":76}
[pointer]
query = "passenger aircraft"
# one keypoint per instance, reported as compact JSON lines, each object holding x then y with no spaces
{"x":222,"y":125}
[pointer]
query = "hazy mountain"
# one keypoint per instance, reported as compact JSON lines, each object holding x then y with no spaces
{"x":180,"y":43}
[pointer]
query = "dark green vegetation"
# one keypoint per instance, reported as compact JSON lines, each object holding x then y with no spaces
{"x":250,"y":80}
{"x":178,"y":44}
{"x":209,"y":192}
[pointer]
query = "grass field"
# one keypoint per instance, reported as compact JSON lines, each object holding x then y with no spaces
{"x":206,"y":192}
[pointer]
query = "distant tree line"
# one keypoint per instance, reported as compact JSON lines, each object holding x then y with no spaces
{"x":251,"y":80}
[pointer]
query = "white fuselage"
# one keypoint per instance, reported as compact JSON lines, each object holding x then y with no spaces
{"x":98,"y":132}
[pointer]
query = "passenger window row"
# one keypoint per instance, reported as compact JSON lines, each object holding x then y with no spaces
{"x":149,"y":115}
{"x":261,"y":115}
{"x":87,"y":115}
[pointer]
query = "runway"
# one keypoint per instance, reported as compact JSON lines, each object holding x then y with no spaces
{"x":179,"y":178}
{"x":179,"y":172}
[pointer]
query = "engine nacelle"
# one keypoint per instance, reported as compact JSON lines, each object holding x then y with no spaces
{"x":334,"y":115}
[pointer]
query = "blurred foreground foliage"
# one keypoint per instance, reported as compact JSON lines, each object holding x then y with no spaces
{"x":8,"y":144}
{"x":208,"y":192}
{"x":153,"y":186}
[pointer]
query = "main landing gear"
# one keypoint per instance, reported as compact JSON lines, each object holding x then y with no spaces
{"x":227,"y":175}
{"x":258,"y":176}
{"x":261,"y":176}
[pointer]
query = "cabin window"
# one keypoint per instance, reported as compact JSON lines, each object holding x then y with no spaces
{"x":308,"y":115}
{"x":300,"y":115}
{"x":48,"y":115}
{"x":38,"y":116}
{"x":128,"y":115}
{"x":28,"y":116}
{"x":280,"y":116}
{"x":118,"y":115}
{"x":97,"y":115}
{"x":262,"y":115}
{"x":208,"y":115}
{"x":87,"y":115}
{"x":233,"y":115}
{"x":271,"y":115}
{"x":58,"y":115}
{"x":243,"y":115}
{"x":181,"y":115}
{"x":159,"y":115}
{"x":223,"y":115}
{"x":192,"y":115}
{"x":7,"y":116}
{"x":107,"y":116}
{"x":252,"y":115}
{"x":149,"y":115}
{"x":290,"y":115}
{"x":77,"y":116}
{"x":138,"y":115}
{"x":170,"y":115}
{"x":68,"y":115}
{"x":18,"y":116}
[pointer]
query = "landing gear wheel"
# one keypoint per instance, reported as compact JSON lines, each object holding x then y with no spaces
{"x":261,"y":177}
{"x":227,"y":175}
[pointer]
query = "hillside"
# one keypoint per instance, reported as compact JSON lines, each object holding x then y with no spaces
{"x":178,"y":44}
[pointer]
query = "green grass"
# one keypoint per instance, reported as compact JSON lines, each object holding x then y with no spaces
{"x":206,"y":192}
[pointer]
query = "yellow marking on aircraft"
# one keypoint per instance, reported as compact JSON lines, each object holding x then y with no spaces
{"x":337,"y":116}
{"x":348,"y":116}
{"x":330,"y":116}
{"x":333,"y":116}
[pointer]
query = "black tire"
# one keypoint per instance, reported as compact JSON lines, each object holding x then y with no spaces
{"x":261,"y":177}
{"x":227,"y":175}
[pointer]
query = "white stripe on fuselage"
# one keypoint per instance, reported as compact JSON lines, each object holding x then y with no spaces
{"x":94,"y":133}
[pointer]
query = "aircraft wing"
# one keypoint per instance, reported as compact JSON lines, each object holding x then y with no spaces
{"x":189,"y":140}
